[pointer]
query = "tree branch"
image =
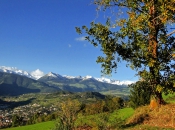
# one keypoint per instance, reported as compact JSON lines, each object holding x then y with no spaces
{"x":170,"y":33}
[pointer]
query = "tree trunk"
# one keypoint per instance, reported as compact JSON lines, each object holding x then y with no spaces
{"x":152,"y":48}
{"x":160,"y":100}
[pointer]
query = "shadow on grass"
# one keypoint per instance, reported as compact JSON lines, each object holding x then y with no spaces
{"x":136,"y":121}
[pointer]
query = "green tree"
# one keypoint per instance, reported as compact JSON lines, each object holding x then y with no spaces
{"x":141,"y":38}
{"x":140,"y":94}
{"x":113,"y":103}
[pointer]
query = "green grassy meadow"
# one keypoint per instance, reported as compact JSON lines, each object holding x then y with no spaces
{"x":39,"y":126}
{"x":110,"y":119}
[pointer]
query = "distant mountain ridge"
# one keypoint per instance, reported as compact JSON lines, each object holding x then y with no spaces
{"x":14,"y":84}
{"x":104,"y":80}
{"x":14,"y":81}
{"x":79,"y":84}
{"x":34,"y":75}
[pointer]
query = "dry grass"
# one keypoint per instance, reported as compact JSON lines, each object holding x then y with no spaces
{"x":163,"y":116}
{"x":140,"y":114}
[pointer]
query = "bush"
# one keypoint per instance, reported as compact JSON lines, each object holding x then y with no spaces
{"x":140,"y":94}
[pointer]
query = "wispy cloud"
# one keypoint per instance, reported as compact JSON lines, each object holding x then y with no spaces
{"x":69,"y":45}
{"x":80,"y":39}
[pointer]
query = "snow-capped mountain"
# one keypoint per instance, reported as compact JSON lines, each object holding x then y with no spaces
{"x":38,"y":74}
{"x":34,"y":74}
{"x":112,"y":81}
{"x":69,"y":77}
{"x":104,"y":80}
{"x":14,"y":70}
{"x":88,"y":77}
{"x":51,"y":74}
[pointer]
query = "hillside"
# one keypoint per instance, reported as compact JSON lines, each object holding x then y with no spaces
{"x":13,"y":84}
{"x":142,"y":118}
{"x":160,"y":118}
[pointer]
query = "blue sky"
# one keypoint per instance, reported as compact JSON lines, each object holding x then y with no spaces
{"x":40,"y":34}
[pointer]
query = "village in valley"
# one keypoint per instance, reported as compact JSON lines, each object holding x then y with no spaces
{"x":14,"y":112}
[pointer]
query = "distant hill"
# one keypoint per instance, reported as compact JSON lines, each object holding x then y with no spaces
{"x":78,"y":84}
{"x":13,"y":84}
{"x":96,"y":95}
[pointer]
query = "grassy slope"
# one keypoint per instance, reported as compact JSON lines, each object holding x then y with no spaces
{"x":125,"y":113}
{"x":162,"y":118}
{"x":40,"y":126}
{"x":159,"y":118}
{"x":110,"y":119}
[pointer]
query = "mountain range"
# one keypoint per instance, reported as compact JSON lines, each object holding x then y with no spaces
{"x":38,"y":74}
{"x":15,"y":82}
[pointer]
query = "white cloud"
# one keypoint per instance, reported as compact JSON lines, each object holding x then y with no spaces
{"x":80,"y":39}
{"x":37,"y":73}
{"x":69,"y":45}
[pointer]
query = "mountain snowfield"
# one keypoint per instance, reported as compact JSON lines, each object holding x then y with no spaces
{"x":38,"y":74}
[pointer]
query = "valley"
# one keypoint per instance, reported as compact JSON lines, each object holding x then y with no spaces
{"x":25,"y":100}
{"x":34,"y":108}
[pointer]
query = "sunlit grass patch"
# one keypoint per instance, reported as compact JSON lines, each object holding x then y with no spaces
{"x":105,"y":120}
{"x":170,"y":98}
{"x":125,"y":113}
{"x":39,"y":126}
{"x":162,"y":117}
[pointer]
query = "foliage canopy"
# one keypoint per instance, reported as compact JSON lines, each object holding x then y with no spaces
{"x":142,"y":38}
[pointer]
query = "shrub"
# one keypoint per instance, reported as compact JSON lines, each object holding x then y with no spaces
{"x":140,"y":93}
